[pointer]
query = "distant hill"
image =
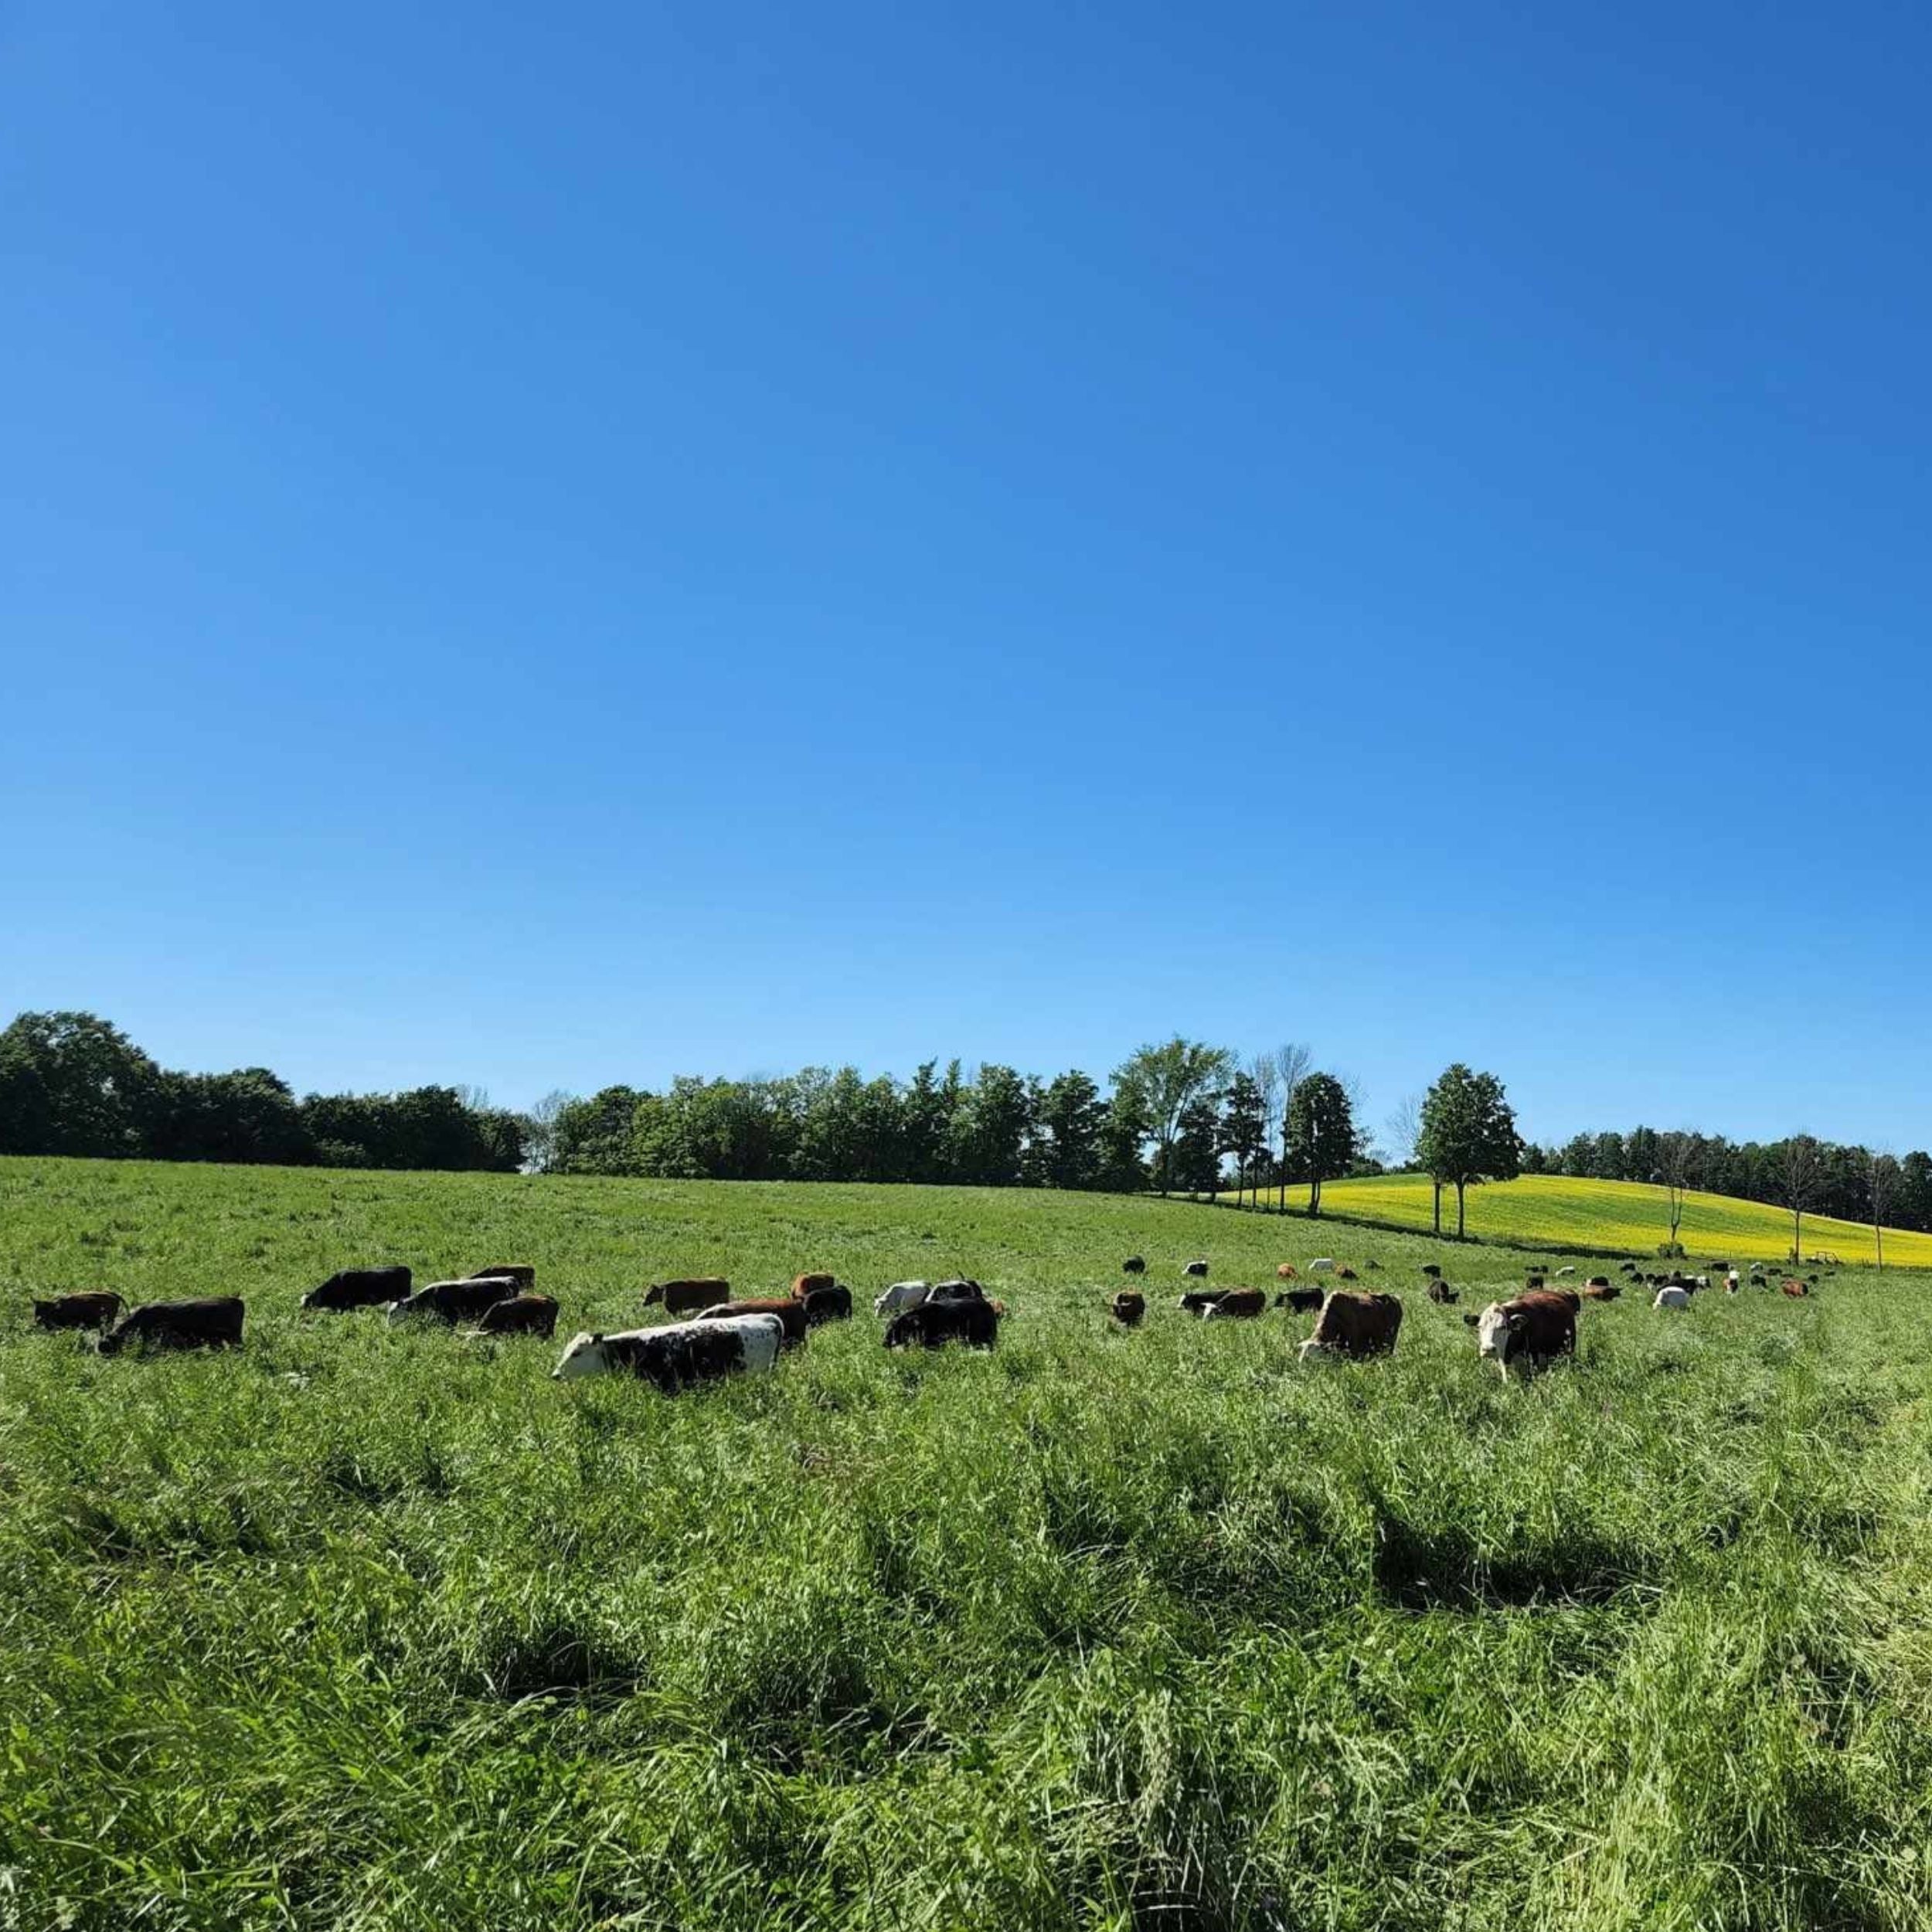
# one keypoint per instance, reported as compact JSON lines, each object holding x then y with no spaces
{"x":1616,"y":1215}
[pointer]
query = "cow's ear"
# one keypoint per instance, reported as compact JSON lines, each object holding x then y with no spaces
{"x":596,"y":1338}
{"x":1513,"y":1321}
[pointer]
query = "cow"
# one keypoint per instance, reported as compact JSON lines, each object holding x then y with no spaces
{"x":1566,"y":1269}
{"x":790,"y":1314}
{"x":1299,"y":1301}
{"x":1433,"y":1270}
{"x":1134,"y":1264}
{"x":959,"y":1290}
{"x":829,"y":1304}
{"x":1796,"y":1289}
{"x":1627,"y":1267}
{"x":358,"y":1288}
{"x":1354,"y":1322}
{"x":688,"y":1297}
{"x":1441,"y":1292}
{"x":1532,"y":1281}
{"x":520,"y":1315}
{"x":678,"y":1356}
{"x":1195,"y":1271}
{"x":450,"y":1302}
{"x":520,"y":1272}
{"x":803,"y":1284}
{"x":1285,"y":1272}
{"x":95,"y":1309}
{"x":1670,"y":1297}
{"x":1346,"y":1274}
{"x":215,"y":1322}
{"x":901,"y":1296}
{"x":1598,"y":1282}
{"x":1533,"y":1329}
{"x":1324,"y":1265}
{"x":1237,"y":1304}
{"x":1601,"y":1292}
{"x":1129,"y":1307}
{"x":1199,"y":1301}
{"x":933,"y":1323}
{"x":1731,"y":1283}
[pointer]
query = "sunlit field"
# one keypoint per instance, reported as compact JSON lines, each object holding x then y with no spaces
{"x":1621,"y":1216}
{"x":375,"y":1629}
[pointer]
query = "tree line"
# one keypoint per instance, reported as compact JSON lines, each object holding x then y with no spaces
{"x":72,"y":1083}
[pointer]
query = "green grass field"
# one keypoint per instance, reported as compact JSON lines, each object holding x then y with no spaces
{"x":369,"y":1629}
{"x":1615,"y":1217}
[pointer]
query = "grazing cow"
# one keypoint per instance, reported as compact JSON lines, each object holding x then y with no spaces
{"x":1566,"y":1269}
{"x":790,"y":1314}
{"x":1237,"y":1304}
{"x":520,"y":1315}
{"x":1534,"y":1328}
{"x":1195,"y":1270}
{"x":1199,"y":1301}
{"x":93,"y":1310}
{"x":1670,"y":1297}
{"x":829,"y":1304}
{"x":1795,"y":1289}
{"x":520,"y":1272}
{"x":1346,"y":1274}
{"x":1129,"y":1307}
{"x":1439,"y":1290}
{"x":1324,"y":1265}
{"x":958,"y":1290}
{"x":450,"y":1302}
{"x":1354,"y":1322}
{"x":688,"y":1297}
{"x":358,"y":1288}
{"x":1627,"y":1267}
{"x":1598,"y":1282}
{"x":213,"y":1323}
{"x":1300,"y":1301}
{"x":1285,"y":1272}
{"x":1731,"y":1282}
{"x":1532,"y":1280}
{"x":933,"y":1323}
{"x":678,"y":1356}
{"x":1601,"y":1292}
{"x":1134,"y":1264}
{"x":802,"y":1285}
{"x":901,"y":1296}
{"x":1433,"y":1270}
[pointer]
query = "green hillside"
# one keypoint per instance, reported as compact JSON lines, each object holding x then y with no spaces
{"x":1617,"y":1215}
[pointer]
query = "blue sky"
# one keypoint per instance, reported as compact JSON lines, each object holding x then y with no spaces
{"x":543,"y":551}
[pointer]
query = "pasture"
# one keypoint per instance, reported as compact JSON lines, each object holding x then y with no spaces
{"x":364,"y":1627}
{"x":1623,"y":1217}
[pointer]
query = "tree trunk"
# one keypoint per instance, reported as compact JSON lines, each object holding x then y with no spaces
{"x":1438,"y":1207}
{"x":1315,"y":1195}
{"x":1878,"y":1236}
{"x":1798,"y":1237}
{"x":1459,"y":1234}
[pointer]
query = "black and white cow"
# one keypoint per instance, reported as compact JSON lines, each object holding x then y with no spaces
{"x":678,"y":1355}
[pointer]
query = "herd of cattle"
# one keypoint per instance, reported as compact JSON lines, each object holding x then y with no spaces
{"x":711,"y":1335}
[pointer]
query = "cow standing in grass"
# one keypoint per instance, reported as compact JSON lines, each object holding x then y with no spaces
{"x":1354,"y":1324}
{"x":1533,"y":1329}
{"x":215,"y":1322}
{"x":678,"y":1356}
{"x":92,"y":1310}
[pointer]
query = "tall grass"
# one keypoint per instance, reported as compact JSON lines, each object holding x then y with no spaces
{"x":371,"y":1629}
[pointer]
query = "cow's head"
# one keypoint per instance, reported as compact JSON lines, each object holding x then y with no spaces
{"x":654,"y":1294}
{"x":1493,"y":1328}
{"x":585,"y":1356}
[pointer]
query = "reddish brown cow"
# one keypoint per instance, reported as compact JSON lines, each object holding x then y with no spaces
{"x":1601,"y":1292}
{"x":521,"y":1314}
{"x":1237,"y":1304}
{"x":1795,"y":1289}
{"x":687,"y":1297}
{"x":1285,"y":1272}
{"x":790,"y":1314}
{"x":1534,"y":1328}
{"x":1354,"y":1323}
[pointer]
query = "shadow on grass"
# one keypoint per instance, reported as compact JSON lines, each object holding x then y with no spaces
{"x":1445,"y":1569}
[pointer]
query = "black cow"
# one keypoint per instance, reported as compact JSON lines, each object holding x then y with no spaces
{"x":1134,"y":1264}
{"x":827,"y":1305}
{"x":1195,"y":1270}
{"x":358,"y":1288}
{"x":450,"y":1302}
{"x":1129,"y":1306}
{"x":1440,"y":1293}
{"x":1199,"y":1301}
{"x":520,"y":1315}
{"x":520,"y":1272}
{"x":933,"y":1323}
{"x":93,"y":1310}
{"x":1299,"y":1301}
{"x":215,"y":1322}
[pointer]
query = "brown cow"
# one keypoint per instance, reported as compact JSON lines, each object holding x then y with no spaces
{"x":1534,"y":1328}
{"x":1346,"y":1274}
{"x":93,"y":1310}
{"x":1129,"y":1307}
{"x":686,"y":1297}
{"x":803,"y":1285}
{"x":1285,"y":1272}
{"x":521,"y":1314}
{"x":1796,"y":1289}
{"x":215,"y":1322}
{"x":1237,"y":1305}
{"x":1601,"y":1292}
{"x":1354,"y":1323}
{"x":790,"y":1314}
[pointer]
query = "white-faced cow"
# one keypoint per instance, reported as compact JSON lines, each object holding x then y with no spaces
{"x":213,"y":1322}
{"x":678,"y":1355}
{"x":1354,"y":1323}
{"x":901,"y":1296}
{"x":1534,"y":1328}
{"x":358,"y":1288}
